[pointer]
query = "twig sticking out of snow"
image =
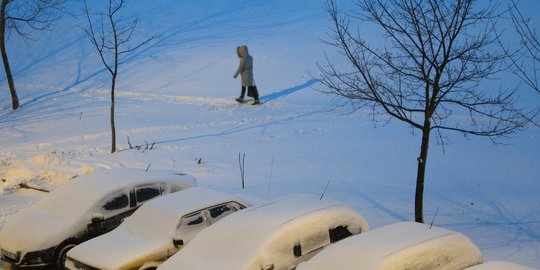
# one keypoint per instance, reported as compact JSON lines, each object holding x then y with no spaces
{"x":23,"y":185}
{"x":241,"y":163}
{"x":434,"y":216}
{"x":325,"y":188}
{"x":270,"y":179}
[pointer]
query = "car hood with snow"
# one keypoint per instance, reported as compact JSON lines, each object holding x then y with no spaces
{"x":404,"y":245}
{"x":266,"y":235}
{"x":66,"y":212}
{"x":148,"y":234}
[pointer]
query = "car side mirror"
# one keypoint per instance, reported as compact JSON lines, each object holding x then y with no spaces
{"x":97,"y":217}
{"x":297,"y":250}
{"x":178,"y":242}
{"x":268,"y":267}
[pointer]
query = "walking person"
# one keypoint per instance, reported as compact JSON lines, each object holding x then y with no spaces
{"x":245,"y":69}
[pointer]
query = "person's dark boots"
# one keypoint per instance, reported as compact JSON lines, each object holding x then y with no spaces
{"x":239,"y":99}
{"x":256,"y":102}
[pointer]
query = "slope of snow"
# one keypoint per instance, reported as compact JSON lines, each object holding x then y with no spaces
{"x":178,"y":95}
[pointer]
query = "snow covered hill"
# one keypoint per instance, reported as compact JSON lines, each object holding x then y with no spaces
{"x":178,"y":96}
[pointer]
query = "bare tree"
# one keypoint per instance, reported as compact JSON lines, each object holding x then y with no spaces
{"x":112,"y":38}
{"x":19,"y":15}
{"x":427,"y":71}
{"x":526,"y":60}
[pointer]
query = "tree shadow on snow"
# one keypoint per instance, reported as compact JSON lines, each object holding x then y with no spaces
{"x":288,"y":91}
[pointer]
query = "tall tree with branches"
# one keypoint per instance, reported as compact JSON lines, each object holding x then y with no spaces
{"x":18,"y":16}
{"x":111,"y":37}
{"x":525,"y":62}
{"x":428,"y":71}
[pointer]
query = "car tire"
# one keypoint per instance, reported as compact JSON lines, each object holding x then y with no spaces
{"x":61,"y":255}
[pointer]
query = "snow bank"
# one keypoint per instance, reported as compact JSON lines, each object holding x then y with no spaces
{"x":44,"y":171}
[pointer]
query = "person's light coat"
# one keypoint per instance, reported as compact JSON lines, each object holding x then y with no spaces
{"x":245,"y":69}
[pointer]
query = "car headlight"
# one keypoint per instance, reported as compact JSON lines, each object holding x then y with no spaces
{"x":11,"y":256}
{"x":71,"y":263}
{"x":41,"y":257}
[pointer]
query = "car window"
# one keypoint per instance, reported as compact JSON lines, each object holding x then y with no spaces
{"x":119,"y":201}
{"x":146,"y":193}
{"x":339,"y":233}
{"x":220,"y":211}
{"x":190,"y":225}
{"x":236,"y":206}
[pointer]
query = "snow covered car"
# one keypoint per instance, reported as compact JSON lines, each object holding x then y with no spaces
{"x":81,"y":209}
{"x":275,"y":235}
{"x":155,"y":231}
{"x":404,"y":245}
{"x":499,"y":265}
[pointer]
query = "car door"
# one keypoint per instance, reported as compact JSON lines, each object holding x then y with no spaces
{"x":110,"y":213}
{"x":190,"y":225}
{"x":295,"y":244}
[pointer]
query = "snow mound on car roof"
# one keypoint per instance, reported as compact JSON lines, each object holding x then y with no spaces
{"x":405,"y":245}
{"x":88,"y":189}
{"x":163,"y":213}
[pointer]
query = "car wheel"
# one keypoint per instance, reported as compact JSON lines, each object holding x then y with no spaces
{"x":61,"y":255}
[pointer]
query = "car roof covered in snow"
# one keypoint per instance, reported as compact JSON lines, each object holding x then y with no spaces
{"x":89,"y":188}
{"x":253,"y":231}
{"x":404,"y":245}
{"x":151,"y":226}
{"x":160,"y":216}
{"x":176,"y":205}
{"x":499,"y":265}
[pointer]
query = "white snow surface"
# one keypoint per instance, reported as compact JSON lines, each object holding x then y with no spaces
{"x":68,"y":209}
{"x":259,"y":232}
{"x":147,"y":234}
{"x":178,"y":93}
{"x":404,"y":245}
{"x":499,"y":265}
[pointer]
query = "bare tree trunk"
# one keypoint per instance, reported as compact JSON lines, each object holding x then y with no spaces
{"x":108,"y":42}
{"x":421,"y":173}
{"x":9,"y":76}
{"x":113,"y":127}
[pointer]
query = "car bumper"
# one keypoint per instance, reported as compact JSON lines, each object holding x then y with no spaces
{"x":35,"y":259}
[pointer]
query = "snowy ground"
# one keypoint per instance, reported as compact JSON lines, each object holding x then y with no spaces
{"x":178,"y":95}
